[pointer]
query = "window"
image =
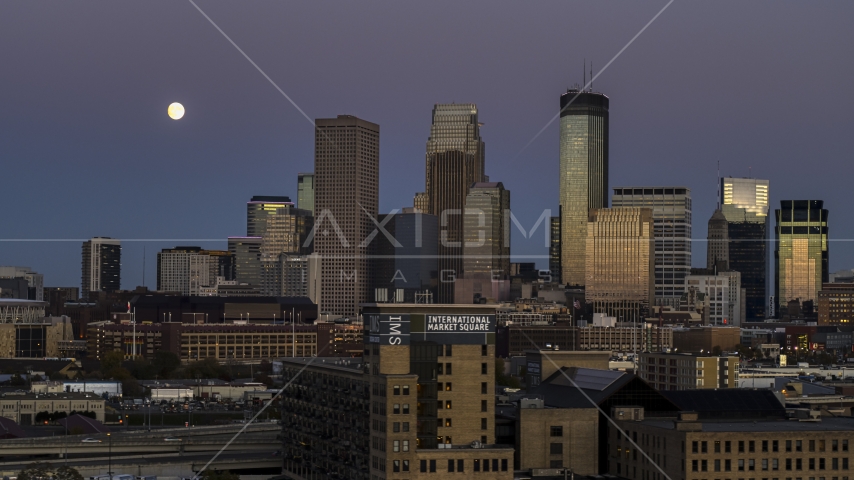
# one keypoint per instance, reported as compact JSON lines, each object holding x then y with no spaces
{"x":461,"y":465}
{"x":483,"y":370}
{"x":821,"y":445}
{"x":448,"y":387}
{"x":395,"y":427}
{"x":717,"y":446}
{"x":704,"y":465}
{"x":775,"y":446}
{"x":799,"y":464}
{"x":695,"y":447}
{"x":727,"y":446}
{"x":741,"y":465}
{"x":405,"y":426}
{"x":812,"y":445}
{"x":503,"y":464}
{"x":483,"y":388}
{"x":406,"y":465}
{"x":447,"y":369}
{"x":483,"y":351}
{"x":844,"y":462}
{"x":423,"y":466}
{"x":450,"y":465}
{"x":788,"y":464}
{"x":788,"y":445}
{"x":764,"y":464}
{"x":396,"y":409}
{"x":751,"y":464}
{"x":556,"y":431}
{"x":485,"y":464}
{"x":727,"y":465}
{"x":396,"y":389}
{"x":741,"y":446}
{"x":447,"y":405}
{"x":395,"y":466}
{"x":448,"y":350}
{"x":751,"y":446}
{"x":483,"y":405}
{"x":834,"y":445}
{"x":440,"y":369}
{"x":432,"y":466}
{"x":395,"y":446}
{"x":476,"y":465}
{"x":798,"y":446}
{"x":483,"y":424}
{"x":448,"y":422}
{"x":821,"y":463}
{"x":775,"y":464}
{"x":834,"y":464}
{"x":406,"y":389}
{"x":406,"y":445}
{"x":406,"y":409}
{"x":717,"y":465}
{"x":494,"y":464}
{"x":764,"y":445}
{"x":845,"y":445}
{"x":704,"y":447}
{"x":695,"y":465}
{"x":812,"y":464}
{"x":556,"y":448}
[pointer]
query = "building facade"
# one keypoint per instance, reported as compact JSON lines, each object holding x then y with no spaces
{"x":671,"y":217}
{"x":346,"y":174}
{"x":305,"y":192}
{"x":801,"y":252}
{"x":102,"y":266}
{"x":407,"y":271}
{"x":836,"y":304}
{"x":583,"y":175}
{"x":717,"y":245}
{"x":554,"y":249}
{"x":455,"y":161}
{"x":620,"y":262}
{"x":744,"y":204}
{"x":35,"y":281}
{"x":23,"y":408}
{"x":187,"y":270}
{"x":724,"y":293}
{"x":486,"y":233}
{"x":688,"y":371}
{"x":246,"y":252}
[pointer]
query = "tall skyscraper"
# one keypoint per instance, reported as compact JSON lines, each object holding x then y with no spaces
{"x":102,"y":266}
{"x":305,"y":191}
{"x":282,"y":227}
{"x":455,"y":161}
{"x":246,"y":252}
{"x":802,"y":251}
{"x":744,"y":203}
{"x":346,"y":175}
{"x":583,"y":175}
{"x":717,"y":245}
{"x":406,"y":272}
{"x":486,"y":234}
{"x":671,"y":216}
{"x":620,"y":262}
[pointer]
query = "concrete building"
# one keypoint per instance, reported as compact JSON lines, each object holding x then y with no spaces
{"x":305,"y":192}
{"x":346,"y":174}
{"x":486,"y":233}
{"x":688,"y":371}
{"x":557,"y":437}
{"x":421,"y":202}
{"x":455,"y":160}
{"x":671,"y":216}
{"x":625,"y":338}
{"x":583,"y":176}
{"x":111,"y":389}
{"x":102,"y":266}
{"x":407,"y":271}
{"x":801,"y":252}
{"x":23,"y":408}
{"x":542,"y":364}
{"x":836,"y":304}
{"x":620,"y":262}
{"x":687,"y":447}
{"x":35,"y":281}
{"x":744,"y":204}
{"x":26,"y":333}
{"x":724,"y":293}
{"x":246,"y":252}
{"x":187,"y":270}
{"x":554,"y":249}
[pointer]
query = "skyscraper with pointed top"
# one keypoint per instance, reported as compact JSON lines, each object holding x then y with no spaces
{"x":583,"y":175}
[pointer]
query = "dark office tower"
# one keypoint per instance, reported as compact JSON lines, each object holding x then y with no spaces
{"x":744,"y":203}
{"x":283,"y":227}
{"x":246,"y":252}
{"x":717,"y":245}
{"x":346,"y":201}
{"x":554,"y":249}
{"x":801,"y":251}
{"x":102,"y":266}
{"x":671,"y":214}
{"x":406,"y":272}
{"x":455,"y":161}
{"x":305,"y":191}
{"x":583,"y":175}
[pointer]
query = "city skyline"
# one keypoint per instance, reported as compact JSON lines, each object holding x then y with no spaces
{"x":211,"y":140}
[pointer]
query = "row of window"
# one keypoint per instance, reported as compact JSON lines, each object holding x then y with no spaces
{"x":459,"y":465}
{"x":812,"y":445}
{"x":750,"y":464}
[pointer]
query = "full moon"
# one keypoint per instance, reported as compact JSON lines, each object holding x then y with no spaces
{"x":175,"y":111}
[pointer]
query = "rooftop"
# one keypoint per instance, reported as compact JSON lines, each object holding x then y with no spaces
{"x":827,"y":424}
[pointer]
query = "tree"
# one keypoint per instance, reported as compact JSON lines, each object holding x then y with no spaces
{"x":17,"y":381}
{"x":35,"y":471}
{"x":165,"y":362}
{"x":716,"y":350}
{"x":67,"y":473}
{"x":111,"y":360}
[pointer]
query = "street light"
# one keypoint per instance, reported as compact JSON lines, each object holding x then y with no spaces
{"x":110,"y":457}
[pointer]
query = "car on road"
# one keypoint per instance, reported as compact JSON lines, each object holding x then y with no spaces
{"x":90,"y":440}
{"x":171,"y":439}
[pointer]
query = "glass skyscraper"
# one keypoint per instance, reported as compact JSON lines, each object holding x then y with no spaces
{"x":583,"y":174}
{"x":454,"y":162}
{"x":671,"y":216}
{"x":744,"y":204}
{"x":486,"y":235}
{"x":801,"y":251}
{"x":305,"y":191}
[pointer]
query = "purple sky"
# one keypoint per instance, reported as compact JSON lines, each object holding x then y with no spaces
{"x":87,"y":148}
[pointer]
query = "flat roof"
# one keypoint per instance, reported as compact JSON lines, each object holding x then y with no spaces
{"x":826,"y":424}
{"x":350,"y":364}
{"x":52,"y":396}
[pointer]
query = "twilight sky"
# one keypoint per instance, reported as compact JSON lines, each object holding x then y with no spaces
{"x":86,"y":147}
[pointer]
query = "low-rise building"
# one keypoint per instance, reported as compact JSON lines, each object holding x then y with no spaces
{"x":540,"y":364}
{"x":836,"y":304}
{"x":705,"y":339}
{"x":23,"y":408}
{"x":683,"y":371}
{"x":100,"y":388}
